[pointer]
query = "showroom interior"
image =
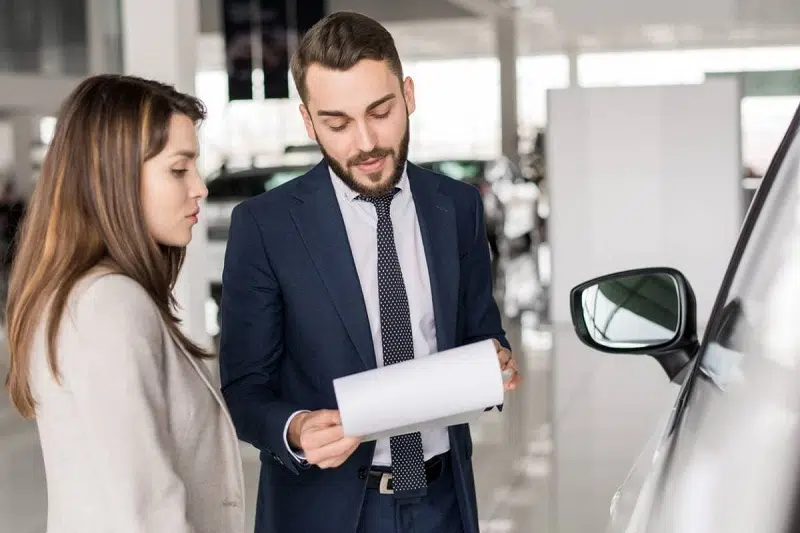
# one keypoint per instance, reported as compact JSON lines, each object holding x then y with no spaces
{"x":602,"y":137}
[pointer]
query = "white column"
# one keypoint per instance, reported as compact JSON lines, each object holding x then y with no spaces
{"x":506,"y":50}
{"x":505,"y":28}
{"x":103,"y":36}
{"x":159,"y":39}
{"x":572,"y":56}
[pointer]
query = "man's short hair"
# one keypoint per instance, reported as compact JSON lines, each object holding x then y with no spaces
{"x":338,"y":42}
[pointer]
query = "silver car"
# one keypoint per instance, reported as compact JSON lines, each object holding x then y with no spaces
{"x":727,"y":459}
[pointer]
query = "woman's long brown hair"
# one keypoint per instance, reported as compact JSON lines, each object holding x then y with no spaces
{"x":86,"y":211}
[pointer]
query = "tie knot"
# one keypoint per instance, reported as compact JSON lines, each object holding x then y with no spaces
{"x":382,"y":203}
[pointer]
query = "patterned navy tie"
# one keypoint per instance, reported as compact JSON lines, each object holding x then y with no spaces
{"x":408,"y":462}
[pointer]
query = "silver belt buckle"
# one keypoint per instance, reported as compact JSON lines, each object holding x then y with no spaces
{"x":384,"y":486}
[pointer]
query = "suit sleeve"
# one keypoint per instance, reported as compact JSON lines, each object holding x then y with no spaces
{"x":251,"y":345}
{"x":111,"y":355}
{"x":483,"y":316}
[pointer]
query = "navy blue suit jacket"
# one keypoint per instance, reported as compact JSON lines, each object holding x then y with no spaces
{"x":293,"y":320}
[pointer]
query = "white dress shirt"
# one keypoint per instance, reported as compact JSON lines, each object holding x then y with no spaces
{"x":361,"y":223}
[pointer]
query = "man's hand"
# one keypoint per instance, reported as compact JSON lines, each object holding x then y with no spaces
{"x":320,"y":435}
{"x":507,"y":365}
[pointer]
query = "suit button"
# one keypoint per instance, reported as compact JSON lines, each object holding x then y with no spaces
{"x":362,"y":473}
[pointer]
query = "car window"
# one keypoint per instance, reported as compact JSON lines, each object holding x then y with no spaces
{"x":768,"y":271}
{"x":225,"y":187}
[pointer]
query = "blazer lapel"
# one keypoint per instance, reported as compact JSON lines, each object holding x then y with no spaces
{"x":206,"y":375}
{"x":437,"y":224}
{"x":321,"y":226}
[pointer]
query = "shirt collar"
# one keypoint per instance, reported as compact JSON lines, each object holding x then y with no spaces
{"x":349,"y":194}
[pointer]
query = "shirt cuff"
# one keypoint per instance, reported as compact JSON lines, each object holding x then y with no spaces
{"x":298,"y":456}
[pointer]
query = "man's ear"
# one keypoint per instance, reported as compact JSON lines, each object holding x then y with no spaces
{"x":308,"y":123}
{"x":408,"y":94}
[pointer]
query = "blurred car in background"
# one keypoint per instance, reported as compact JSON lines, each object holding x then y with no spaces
{"x":511,"y":205}
{"x":226,"y":189}
{"x":473,"y":171}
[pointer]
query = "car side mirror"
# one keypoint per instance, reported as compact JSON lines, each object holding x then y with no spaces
{"x":645,"y":311}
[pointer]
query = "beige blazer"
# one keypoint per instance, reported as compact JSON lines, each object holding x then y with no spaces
{"x":136,"y":439}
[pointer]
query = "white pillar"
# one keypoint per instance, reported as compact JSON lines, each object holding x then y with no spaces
{"x":159,"y":39}
{"x":572,"y":57}
{"x":506,"y":50}
{"x":103,"y":36}
{"x":505,"y":28}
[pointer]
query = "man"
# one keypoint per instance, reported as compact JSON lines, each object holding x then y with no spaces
{"x":364,"y":261}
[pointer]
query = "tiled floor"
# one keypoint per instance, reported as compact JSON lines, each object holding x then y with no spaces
{"x":549,"y":463}
{"x":22,"y":485}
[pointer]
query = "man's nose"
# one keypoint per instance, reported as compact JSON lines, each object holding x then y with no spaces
{"x":367,"y":140}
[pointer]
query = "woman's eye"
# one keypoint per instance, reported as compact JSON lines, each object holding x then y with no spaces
{"x":179,"y":172}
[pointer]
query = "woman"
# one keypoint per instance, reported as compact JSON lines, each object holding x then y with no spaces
{"x":135,"y":435}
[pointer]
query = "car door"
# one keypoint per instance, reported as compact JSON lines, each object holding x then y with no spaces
{"x":728,"y":457}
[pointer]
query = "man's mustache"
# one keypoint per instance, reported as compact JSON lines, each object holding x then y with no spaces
{"x":366,"y":156}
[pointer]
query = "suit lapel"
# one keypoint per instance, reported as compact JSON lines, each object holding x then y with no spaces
{"x":321,"y":226}
{"x":437,"y":224}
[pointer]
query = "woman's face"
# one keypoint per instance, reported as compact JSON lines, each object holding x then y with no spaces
{"x":172,"y":187}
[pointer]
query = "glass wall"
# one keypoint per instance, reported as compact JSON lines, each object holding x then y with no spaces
{"x":764,"y":118}
{"x":46,"y":37}
{"x":458,"y":111}
{"x":458,"y":101}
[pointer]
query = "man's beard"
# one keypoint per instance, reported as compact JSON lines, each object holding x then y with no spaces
{"x":400,"y":156}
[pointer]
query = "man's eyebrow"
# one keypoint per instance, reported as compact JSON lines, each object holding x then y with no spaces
{"x":342,"y":114}
{"x":380,"y":101}
{"x":326,"y":113}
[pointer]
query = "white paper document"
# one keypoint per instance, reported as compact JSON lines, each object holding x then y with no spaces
{"x":439,"y":390}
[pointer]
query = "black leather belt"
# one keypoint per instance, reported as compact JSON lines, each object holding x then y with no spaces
{"x":383,"y":480}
